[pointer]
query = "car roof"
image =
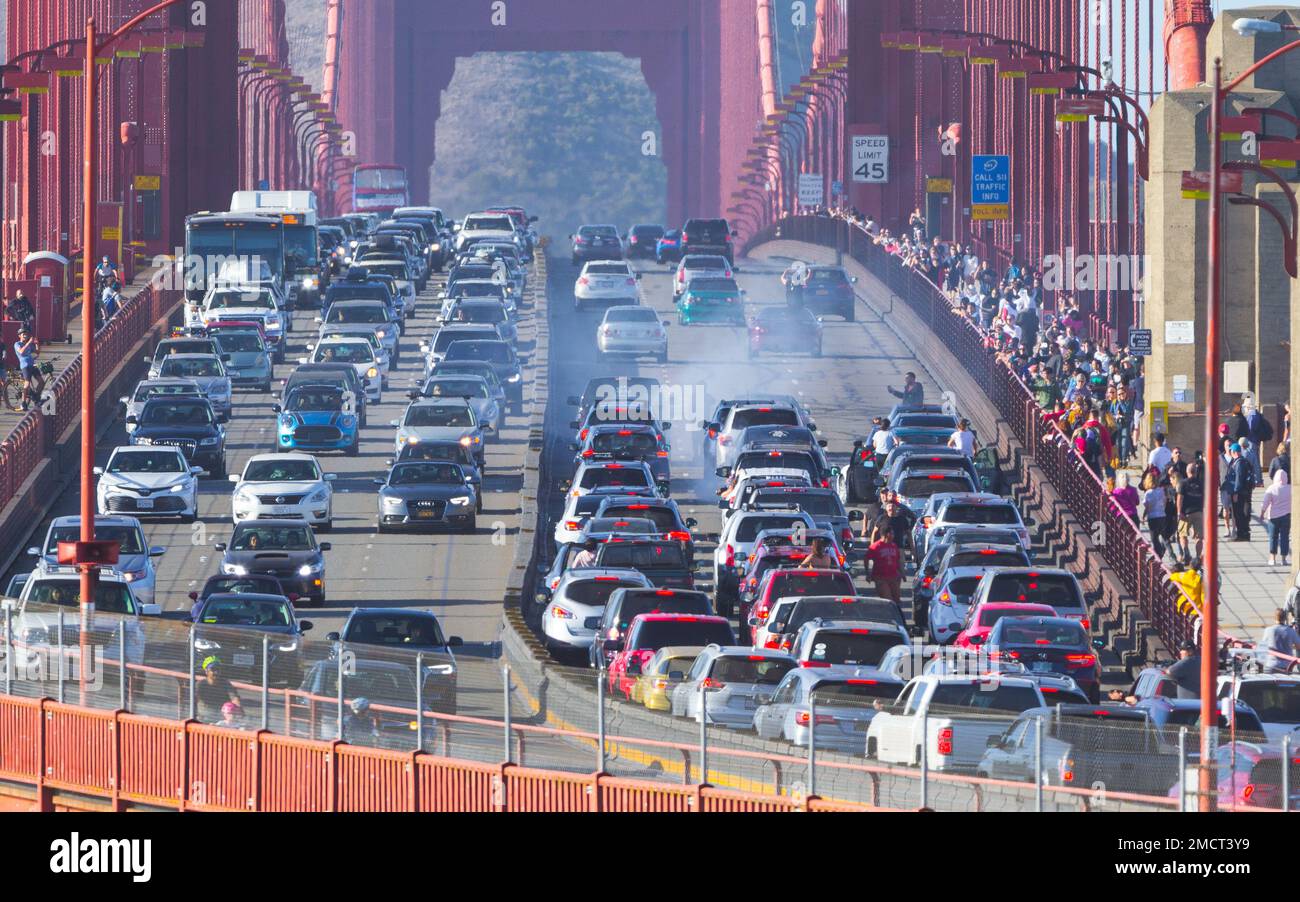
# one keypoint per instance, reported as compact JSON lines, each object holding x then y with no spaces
{"x":820,"y":624}
{"x":440,"y":402}
{"x":1033,"y":571}
{"x":590,"y":574}
{"x":74,"y":519}
{"x":1041,"y":620}
{"x":277,"y":524}
{"x":251,"y":596}
{"x":289,"y":455}
{"x":709,"y":618}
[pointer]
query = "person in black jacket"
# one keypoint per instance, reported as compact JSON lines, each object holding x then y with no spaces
{"x":1241,"y":483}
{"x":912,"y":392}
{"x":1186,"y":671}
{"x":1281,"y":461}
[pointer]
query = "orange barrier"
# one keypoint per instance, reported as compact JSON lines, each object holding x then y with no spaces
{"x":151,"y":760}
{"x":620,"y":794}
{"x":447,"y":784}
{"x":529,"y":789}
{"x":80,"y":749}
{"x":296,"y":774}
{"x":223,"y":769}
{"x":20,"y":739}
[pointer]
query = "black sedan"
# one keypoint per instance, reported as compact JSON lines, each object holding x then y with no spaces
{"x":784,"y":329}
{"x":234,"y":628}
{"x":505,"y":362}
{"x":185,"y":423}
{"x":1048,"y":645}
{"x":254,"y":583}
{"x":285,"y":549}
{"x":413,"y":631}
{"x":421,"y":494}
{"x":596,"y":242}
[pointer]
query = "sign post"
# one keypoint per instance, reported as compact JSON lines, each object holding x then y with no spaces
{"x":990,"y":187}
{"x":869,"y":159}
{"x":811,"y":189}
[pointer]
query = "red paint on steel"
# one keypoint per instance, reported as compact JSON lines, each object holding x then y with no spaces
{"x":450,"y":785}
{"x":618,"y":794}
{"x":20,"y":752}
{"x":152,"y":763}
{"x":295,"y":774}
{"x":528,"y":789}
{"x":713,"y":799}
{"x":80,"y":749}
{"x":222,"y":769}
{"x":373,"y":779}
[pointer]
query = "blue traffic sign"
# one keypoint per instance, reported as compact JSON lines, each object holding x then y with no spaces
{"x":990,"y":179}
{"x":837,"y":187}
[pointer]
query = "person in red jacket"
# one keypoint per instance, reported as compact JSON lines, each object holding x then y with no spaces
{"x":885,"y":565}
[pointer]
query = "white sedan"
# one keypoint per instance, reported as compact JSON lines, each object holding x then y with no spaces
{"x":284,"y":487}
{"x":148,"y":481}
{"x":602,"y":281}
{"x":636,"y":331}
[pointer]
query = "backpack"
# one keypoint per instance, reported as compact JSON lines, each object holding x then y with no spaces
{"x":1092,"y":443}
{"x":1264,"y":427}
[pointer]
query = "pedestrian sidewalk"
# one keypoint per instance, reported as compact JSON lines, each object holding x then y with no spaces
{"x":1250,"y":589}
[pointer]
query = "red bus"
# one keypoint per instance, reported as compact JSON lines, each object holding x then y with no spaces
{"x":379,"y":188}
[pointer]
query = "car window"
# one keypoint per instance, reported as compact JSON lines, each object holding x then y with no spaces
{"x":426,"y":473}
{"x":634,"y":315}
{"x":750,"y":669}
{"x":245,"y":612}
{"x":864,"y":648}
{"x":272,"y":538}
{"x":457,"y":388}
{"x":1274,"y":702}
{"x":110,"y":597}
{"x":281,"y":471}
{"x":1058,"y":590}
{"x":439,"y":416}
{"x":644,"y":556}
{"x":396,"y":630}
{"x":987,"y":558}
{"x":933,"y":484}
{"x":176,"y":413}
{"x":764,"y":416}
{"x":810,"y":583}
{"x":315,"y":399}
{"x":145,"y":392}
{"x":982,"y":695}
{"x":992,"y":514}
{"x":603,"y":476}
{"x":493,"y":351}
{"x":659,"y":633}
{"x":130,"y":539}
{"x":147,"y":462}
{"x":191,"y":368}
{"x":728,"y":285}
{"x":345,"y":352}
{"x":367,"y":314}
{"x":240,"y":342}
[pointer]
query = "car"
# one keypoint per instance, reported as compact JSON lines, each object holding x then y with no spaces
{"x":946,"y":601}
{"x":135,"y":555}
{"x":789,"y":614}
{"x":973,"y":540}
{"x":708,"y":236}
{"x":427,"y":493}
{"x":284,"y":487}
{"x":577,"y":511}
{"x":610,"y":392}
{"x":604,"y":282}
{"x":661,"y":674}
{"x":367,"y":334}
{"x":1173,"y":714}
{"x":737,"y":540}
{"x":341,"y":375}
{"x":668,"y":249}
{"x":624,"y":605}
{"x":596,"y":242}
{"x":407,"y":629}
{"x":37,"y":642}
{"x":829,"y":289}
{"x":783,"y":329}
{"x":261,"y":303}
{"x":208,"y":372}
{"x":634,"y":331}
{"x":858,"y":643}
{"x":1274,"y":697}
{"x":700,"y":266}
{"x":611,"y":414}
{"x":486,"y":227}
{"x":16,"y":583}
{"x":253,"y":583}
{"x":133,"y":403}
{"x":907,"y":457}
{"x":802,"y":462}
{"x":404,"y":282}
{"x":474,"y":389}
{"x":830,"y":707}
{"x":479,"y":368}
{"x":648,"y":633}
{"x":642,"y":240}
{"x":710,"y":299}
{"x":756,"y":602}
{"x":981,"y":618}
{"x":375,"y":314}
{"x":185,"y":423}
{"x":484,"y":311}
{"x":179,"y":344}
{"x":947,"y":509}
{"x":661,"y":560}
{"x":1055,"y":587}
{"x":438,"y":420}
{"x":731,"y":420}
{"x":662,"y":512}
{"x":600,"y":529}
{"x":356,"y":352}
{"x":573,"y":608}
{"x":150,"y":482}
{"x":1250,"y":776}
{"x":285,"y":549}
{"x":317,"y":417}
{"x":627,"y":441}
{"x":436,"y":350}
{"x":727,"y":682}
{"x":914,"y":488}
{"x":231,"y":627}
{"x":1048,"y":645}
{"x":501,"y":355}
{"x":246,"y":358}
{"x":356,"y":286}
{"x":449,"y":452}
{"x":822,"y":504}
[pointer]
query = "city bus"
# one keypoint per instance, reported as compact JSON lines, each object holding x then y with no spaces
{"x":227,"y":242}
{"x":379,"y":188}
{"x":303,"y":271}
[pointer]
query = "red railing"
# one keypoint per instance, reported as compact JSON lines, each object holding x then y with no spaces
{"x":1121,"y":543}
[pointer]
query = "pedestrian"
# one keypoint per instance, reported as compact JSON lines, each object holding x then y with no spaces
{"x":1237,"y":428}
{"x":1125,"y":496}
{"x":19,"y":309}
{"x":1160,"y":456}
{"x":963,"y":439}
{"x":1259,"y":430}
{"x":1280,"y":644}
{"x":1276,"y":514}
{"x":1281,"y":460}
{"x":884,"y":562}
{"x":1241,"y":482}
{"x":213,"y":691}
{"x":882,"y":442}
{"x":26,"y":350}
{"x":912,"y":393}
{"x":1155,"y":509}
{"x":1189,"y":496}
{"x":1186,"y":671}
{"x":1027,"y":321}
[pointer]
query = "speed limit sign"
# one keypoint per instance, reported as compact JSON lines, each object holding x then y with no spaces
{"x":870,"y":159}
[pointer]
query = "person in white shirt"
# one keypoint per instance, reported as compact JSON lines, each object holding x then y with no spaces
{"x":586,"y":557}
{"x":963,"y":439}
{"x":1160,"y":456}
{"x":1281,"y":638}
{"x":882,"y":440}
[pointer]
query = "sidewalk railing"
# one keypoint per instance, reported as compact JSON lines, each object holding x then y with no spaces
{"x":1123,"y":546}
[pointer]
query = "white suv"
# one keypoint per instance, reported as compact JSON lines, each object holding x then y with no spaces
{"x":284,"y":487}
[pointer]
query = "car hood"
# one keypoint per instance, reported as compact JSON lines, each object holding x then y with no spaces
{"x":272,"y":561}
{"x":440,"y":433}
{"x":430,"y":492}
{"x":244,"y":633}
{"x":148,"y":481}
{"x":280,"y":488}
{"x":144,"y":430}
{"x":316,"y":417}
{"x":244,"y":360}
{"x":712,"y":295}
{"x":210,"y":384}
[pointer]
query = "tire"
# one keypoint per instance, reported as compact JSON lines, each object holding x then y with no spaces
{"x":13,"y":396}
{"x":818,"y":352}
{"x":471,"y":527}
{"x":663,"y":357}
{"x":381,"y":529}
{"x":220,"y":472}
{"x":850,"y":315}
{"x":478,"y":504}
{"x":327,"y":526}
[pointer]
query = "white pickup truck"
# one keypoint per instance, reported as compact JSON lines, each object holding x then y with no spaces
{"x":957,"y":715}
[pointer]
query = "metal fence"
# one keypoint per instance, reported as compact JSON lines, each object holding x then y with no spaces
{"x":1126,"y":549}
{"x":565,"y":721}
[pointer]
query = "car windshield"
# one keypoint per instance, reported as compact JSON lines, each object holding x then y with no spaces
{"x":810,"y":582}
{"x":392,"y":686}
{"x":663,"y":518}
{"x":481,"y":313}
{"x":984,"y":695}
{"x":608,"y":269}
{"x":273,"y":538}
{"x":1274,"y":701}
{"x":598,"y":232}
{"x":933,"y":484}
{"x":701,"y":261}
{"x":1059,"y":590}
{"x":369,"y":314}
{"x":775,"y":460}
{"x":145,"y":392}
{"x":246,"y":612}
{"x":491,"y":351}
{"x":441,"y":416}
{"x":130,"y":539}
{"x":281,"y":471}
{"x":110,"y":597}
{"x":426,"y":473}
{"x":457,"y":388}
{"x":595,"y":592}
{"x":487,"y":223}
{"x":827,"y":277}
{"x":340,"y":352}
{"x":401,"y":630}
{"x":643,"y":556}
{"x":602,"y":476}
{"x":727,"y":285}
{"x":624,"y":440}
{"x":315,"y":399}
{"x":830,"y":693}
{"x":991,"y":616}
{"x":226,"y":300}
{"x":862,"y":648}
{"x":987,"y":557}
{"x":192,"y":367}
{"x":176,"y":413}
{"x":454,"y":452}
{"x":360,"y":292}
{"x":764,"y":416}
{"x":817,"y":505}
{"x":756,"y":669}
{"x":924,"y":420}
{"x":1025,"y":632}
{"x":396,"y":270}
{"x":961,"y":589}
{"x":633,"y":315}
{"x":476,"y":289}
{"x":798,"y":614}
{"x":241,"y":585}
{"x":661,"y":633}
{"x":148,"y":462}
{"x":991,"y":514}
{"x":239,"y":342}
{"x":470,"y":368}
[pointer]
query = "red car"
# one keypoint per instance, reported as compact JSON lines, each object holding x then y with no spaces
{"x":784,"y":329}
{"x":650,"y":632}
{"x":1250,"y":776}
{"x":788,"y":584}
{"x":981,"y":618}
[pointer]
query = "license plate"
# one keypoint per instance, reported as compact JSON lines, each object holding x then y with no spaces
{"x":145,"y":504}
{"x":1041,"y":667}
{"x":424,"y":515}
{"x":282,"y":510}
{"x":243,"y":660}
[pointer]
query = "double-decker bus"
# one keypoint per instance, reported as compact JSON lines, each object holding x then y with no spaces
{"x":379,"y":188}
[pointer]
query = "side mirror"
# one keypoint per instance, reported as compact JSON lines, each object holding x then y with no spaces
{"x":395,"y":423}
{"x":276,"y":408}
{"x":333,"y":637}
{"x":150,"y":610}
{"x":993,"y":742}
{"x":302,"y":360}
{"x":220,"y":546}
{"x":1098,"y":643}
{"x":691,"y":523}
{"x":722,"y":472}
{"x":198,"y":471}
{"x":98,"y":471}
{"x":157,"y":550}
{"x":574,"y":424}
{"x":856,"y":516}
{"x":194,"y":596}
{"x":835,"y":471}
{"x":133,"y":420}
{"x":305,"y":625}
{"x":574,"y":446}
{"x":573,"y":400}
{"x":377,"y":481}
{"x":822,"y":443}
{"x":665,"y":322}
{"x":325,"y":546}
{"x":235,"y":477}
{"x":455,"y":641}
{"x":666,"y":426}
{"x":723,"y":505}
{"x":319,"y":319}
{"x":124,"y":400}
{"x":975,"y":640}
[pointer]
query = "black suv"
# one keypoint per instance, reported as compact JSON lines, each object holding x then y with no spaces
{"x":185,"y":423}
{"x":643,"y":240}
{"x":708,"y":236}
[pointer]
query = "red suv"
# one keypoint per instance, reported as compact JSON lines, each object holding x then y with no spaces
{"x":650,"y":632}
{"x":788,"y":584}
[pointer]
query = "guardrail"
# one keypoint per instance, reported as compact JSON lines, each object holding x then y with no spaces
{"x":1126,"y":549}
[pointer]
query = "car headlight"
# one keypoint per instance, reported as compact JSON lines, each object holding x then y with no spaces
{"x":515,"y":378}
{"x":470,"y":440}
{"x":141,"y":440}
{"x":180,"y":487}
{"x":133,"y":576}
{"x":310,"y":282}
{"x":272,"y":325}
{"x":392,"y":502}
{"x":34,"y":635}
{"x":245,"y":496}
{"x":435,"y":247}
{"x":410,"y":439}
{"x":461,"y":500}
{"x":234,"y":569}
{"x":381,"y":333}
{"x":286,"y":423}
{"x":201,"y":644}
{"x":309,"y":569}
{"x":210,"y":441}
{"x":353,"y":244}
{"x":347,"y":421}
{"x":320,"y":496}
{"x":372,"y":373}
{"x":287,"y":647}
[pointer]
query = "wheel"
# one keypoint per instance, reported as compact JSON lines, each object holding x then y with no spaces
{"x":265,"y":388}
{"x":574,"y":261}
{"x":189,"y":518}
{"x":850,"y":315}
{"x":318,"y":601}
{"x":220,"y":471}
{"x":818,"y":352}
{"x":13,"y":395}
{"x":478,"y":504}
{"x":471,"y":527}
{"x":327,"y":526}
{"x":381,"y":529}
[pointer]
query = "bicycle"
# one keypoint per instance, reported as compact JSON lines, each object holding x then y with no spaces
{"x":16,"y":384}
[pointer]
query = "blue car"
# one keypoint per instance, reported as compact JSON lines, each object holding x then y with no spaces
{"x":668,"y":249}
{"x":317,"y":418}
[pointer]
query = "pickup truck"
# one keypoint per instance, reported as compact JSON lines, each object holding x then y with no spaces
{"x":956,"y":715}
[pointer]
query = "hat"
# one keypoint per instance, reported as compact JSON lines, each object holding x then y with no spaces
{"x":230,"y":708}
{"x":1187,"y":646}
{"x":1235,"y":448}
{"x":210,"y":663}
{"x":1223,"y":429}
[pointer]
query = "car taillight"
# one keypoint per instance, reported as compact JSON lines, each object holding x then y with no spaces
{"x":945,"y":598}
{"x":1081,"y":660}
{"x":685,"y":237}
{"x":814,"y":664}
{"x":713,"y":433}
{"x":1248,"y":791}
{"x":661,"y":684}
{"x":680,"y":536}
{"x":801,"y":718}
{"x":562,"y":613}
{"x":584,"y":281}
{"x":588,"y":453}
{"x":1067,"y":770}
{"x":772,"y":642}
{"x":945,"y":741}
{"x":709,"y":683}
{"x":927,"y":582}
{"x":572,"y":524}
{"x":1085,"y":623}
{"x":724,"y":440}
{"x":631,"y":281}
{"x":826,"y":483}
{"x":730,"y":556}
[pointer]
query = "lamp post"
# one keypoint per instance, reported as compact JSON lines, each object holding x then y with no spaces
{"x":1213,"y":382}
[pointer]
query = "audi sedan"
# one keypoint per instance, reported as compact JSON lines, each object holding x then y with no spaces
{"x":420,"y":494}
{"x":784,"y":329}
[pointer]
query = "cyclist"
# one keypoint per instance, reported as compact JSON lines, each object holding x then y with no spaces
{"x":111,"y":299}
{"x":360,"y":723}
{"x":27,"y":349}
{"x":105,"y":274}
